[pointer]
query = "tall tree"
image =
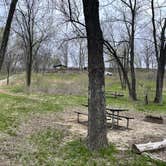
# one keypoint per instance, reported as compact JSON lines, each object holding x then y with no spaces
{"x":132,"y":5}
{"x":160,"y":52}
{"x":97,"y":130}
{"x":32,"y":32}
{"x":6,"y":32}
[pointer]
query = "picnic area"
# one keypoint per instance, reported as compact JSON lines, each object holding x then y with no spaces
{"x":32,"y":121}
{"x":82,"y":83}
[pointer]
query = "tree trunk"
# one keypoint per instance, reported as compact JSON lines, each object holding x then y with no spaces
{"x":120,"y":64}
{"x":132,"y":54}
{"x":159,"y":83}
{"x":29,"y":67}
{"x":161,"y":67}
{"x":121,"y":78}
{"x":97,"y":128}
{"x":8,"y":75}
{"x":7,"y":32}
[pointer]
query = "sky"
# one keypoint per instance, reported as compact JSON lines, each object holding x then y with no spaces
{"x":103,"y":4}
{"x":2,"y":13}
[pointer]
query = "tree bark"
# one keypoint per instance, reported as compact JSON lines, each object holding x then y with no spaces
{"x":29,"y":66}
{"x":6,"y":33}
{"x":97,"y":128}
{"x":132,"y":55}
{"x":8,"y":74}
{"x":161,"y":66}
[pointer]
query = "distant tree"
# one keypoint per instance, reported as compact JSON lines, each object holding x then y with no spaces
{"x":31,"y":31}
{"x":64,"y":51}
{"x":147,"y":53}
{"x":81,"y":53}
{"x":6,"y":32}
{"x":131,"y":29}
{"x":10,"y":62}
{"x":97,"y":128}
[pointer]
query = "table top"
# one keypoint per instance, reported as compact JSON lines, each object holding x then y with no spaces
{"x":111,"y":109}
{"x":117,"y":109}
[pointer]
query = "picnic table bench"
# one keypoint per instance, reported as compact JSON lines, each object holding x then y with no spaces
{"x":109,"y":116}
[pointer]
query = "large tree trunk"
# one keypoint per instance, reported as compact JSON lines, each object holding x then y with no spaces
{"x":159,"y":83}
{"x":160,"y":56}
{"x":132,"y":55}
{"x":7,"y":31}
{"x":161,"y":67}
{"x":97,"y":128}
{"x":160,"y":78}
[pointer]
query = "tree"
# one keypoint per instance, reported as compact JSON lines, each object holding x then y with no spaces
{"x":97,"y":128}
{"x":32,"y":31}
{"x":10,"y":62}
{"x":6,"y":32}
{"x":81,"y":54}
{"x":64,"y":51}
{"x":160,"y":52}
{"x":147,"y":53}
{"x":130,"y":26}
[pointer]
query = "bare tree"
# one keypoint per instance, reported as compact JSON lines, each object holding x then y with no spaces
{"x":31,"y":32}
{"x":147,"y":54}
{"x":131,"y":28}
{"x":6,"y":32}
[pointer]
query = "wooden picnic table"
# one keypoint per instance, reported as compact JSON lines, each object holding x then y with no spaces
{"x":114,"y":113}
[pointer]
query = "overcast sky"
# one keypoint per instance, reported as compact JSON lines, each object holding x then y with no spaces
{"x":105,"y":10}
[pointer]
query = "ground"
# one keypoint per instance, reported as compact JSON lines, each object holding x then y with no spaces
{"x":38,"y":126}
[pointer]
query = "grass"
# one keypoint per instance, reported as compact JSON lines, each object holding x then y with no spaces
{"x":37,"y":99}
{"x":15,"y":107}
{"x":55,"y":92}
{"x":51,"y":149}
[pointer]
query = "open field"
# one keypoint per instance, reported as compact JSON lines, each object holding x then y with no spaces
{"x":38,"y":125}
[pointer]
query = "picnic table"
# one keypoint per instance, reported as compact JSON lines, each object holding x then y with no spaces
{"x":114,"y":113}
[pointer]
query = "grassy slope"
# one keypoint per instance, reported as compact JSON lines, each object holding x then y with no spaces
{"x":54,"y":92}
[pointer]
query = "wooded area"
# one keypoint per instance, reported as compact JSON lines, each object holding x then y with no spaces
{"x":122,"y":37}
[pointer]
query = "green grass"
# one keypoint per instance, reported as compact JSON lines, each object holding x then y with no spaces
{"x":51,"y":149}
{"x":13,"y":108}
{"x":38,"y":100}
{"x":53,"y":92}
